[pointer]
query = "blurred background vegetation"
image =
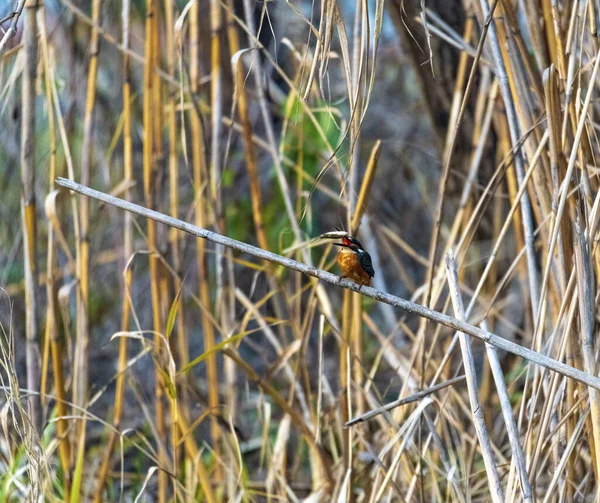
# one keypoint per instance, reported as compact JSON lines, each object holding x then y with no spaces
{"x":139,"y":362}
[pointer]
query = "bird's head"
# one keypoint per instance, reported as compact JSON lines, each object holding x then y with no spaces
{"x":350,"y":242}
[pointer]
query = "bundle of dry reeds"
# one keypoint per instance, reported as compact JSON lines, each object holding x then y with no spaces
{"x":198,"y":345}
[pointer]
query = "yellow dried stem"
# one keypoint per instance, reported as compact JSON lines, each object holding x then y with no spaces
{"x":249,"y":147}
{"x":199,"y":174}
{"x":365,"y":189}
{"x":215,"y":195}
{"x":51,"y":335}
{"x":80,"y":379}
{"x":28,"y":209}
{"x":149,"y":117}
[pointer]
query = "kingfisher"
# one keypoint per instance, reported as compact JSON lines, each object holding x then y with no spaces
{"x":353,"y":260}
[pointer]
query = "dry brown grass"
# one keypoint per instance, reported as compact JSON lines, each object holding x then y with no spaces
{"x":204,"y":369}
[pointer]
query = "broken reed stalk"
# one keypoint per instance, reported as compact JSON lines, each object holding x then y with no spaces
{"x":28,"y":209}
{"x":509,"y":420}
{"x":472,"y":385}
{"x":405,"y":305}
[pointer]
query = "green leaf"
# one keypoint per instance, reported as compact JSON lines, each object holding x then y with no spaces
{"x":173,"y":313}
{"x":219,"y":347}
{"x":227,"y":177}
{"x":168,"y":382}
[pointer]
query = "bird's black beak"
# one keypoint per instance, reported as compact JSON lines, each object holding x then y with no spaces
{"x":341,"y":244}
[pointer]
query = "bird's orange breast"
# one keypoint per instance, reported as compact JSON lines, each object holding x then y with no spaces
{"x":350,"y":266}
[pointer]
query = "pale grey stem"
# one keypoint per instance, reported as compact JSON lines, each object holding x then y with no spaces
{"x":509,"y":419}
{"x":587,"y":319}
{"x":515,"y":134}
{"x":434,"y":243}
{"x":379,"y":280}
{"x":257,"y":73}
{"x":469,"y":364}
{"x":215,"y":150}
{"x":566,"y":455}
{"x":28,"y":210}
{"x":354,"y":136}
{"x":309,"y":270}
{"x":12,"y":29}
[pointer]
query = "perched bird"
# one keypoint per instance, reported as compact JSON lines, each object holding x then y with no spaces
{"x":354,"y":261}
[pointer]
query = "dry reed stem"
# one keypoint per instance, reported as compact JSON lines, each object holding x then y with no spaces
{"x":149,"y":118}
{"x":52,"y":332}
{"x":249,"y":148}
{"x":28,"y":208}
{"x":515,"y":134}
{"x":585,"y":290}
{"x":433,"y":245}
{"x":214,"y":179}
{"x":351,"y":321}
{"x":182,"y":350}
{"x":80,"y":372}
{"x":472,"y":385}
{"x":509,"y":420}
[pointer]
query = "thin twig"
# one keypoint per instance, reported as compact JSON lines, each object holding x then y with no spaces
{"x":403,"y":401}
{"x":405,"y":305}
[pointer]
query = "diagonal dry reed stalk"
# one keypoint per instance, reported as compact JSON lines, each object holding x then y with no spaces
{"x":405,"y":305}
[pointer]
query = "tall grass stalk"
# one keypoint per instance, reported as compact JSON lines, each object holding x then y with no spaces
{"x":28,"y":208}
